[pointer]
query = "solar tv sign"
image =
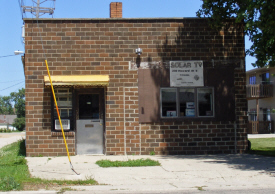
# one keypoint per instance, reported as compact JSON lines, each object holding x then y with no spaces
{"x":186,"y":73}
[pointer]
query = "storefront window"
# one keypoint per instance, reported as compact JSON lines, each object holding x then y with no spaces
{"x":205,"y":101}
{"x":187,"y":102}
{"x":169,"y":102}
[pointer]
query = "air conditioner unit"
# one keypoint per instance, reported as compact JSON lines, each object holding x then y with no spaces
{"x":65,"y":124}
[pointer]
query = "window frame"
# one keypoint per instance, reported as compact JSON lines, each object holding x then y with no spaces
{"x":213,"y":102}
{"x":265,"y":78}
{"x":252,"y":80}
{"x":54,"y":116}
{"x":195,"y":103}
{"x":170,"y":88}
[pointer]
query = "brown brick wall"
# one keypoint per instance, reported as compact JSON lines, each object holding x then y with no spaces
{"x":91,"y":46}
{"x":200,"y":136}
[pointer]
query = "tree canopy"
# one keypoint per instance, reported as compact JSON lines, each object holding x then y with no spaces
{"x":259,"y":24}
{"x":18,"y":100}
{"x":6,"y":105}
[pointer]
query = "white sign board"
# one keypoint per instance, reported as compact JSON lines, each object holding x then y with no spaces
{"x":186,"y":73}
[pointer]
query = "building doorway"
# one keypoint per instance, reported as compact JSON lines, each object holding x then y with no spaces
{"x":90,"y":121}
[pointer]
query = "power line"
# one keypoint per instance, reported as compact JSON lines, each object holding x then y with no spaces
{"x":16,"y":90}
{"x":21,"y":86}
{"x":12,"y":86}
{"x":12,"y":81}
{"x":8,"y":56}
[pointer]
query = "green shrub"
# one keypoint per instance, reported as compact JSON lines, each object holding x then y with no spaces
{"x":19,"y":123}
{"x":5,"y":130}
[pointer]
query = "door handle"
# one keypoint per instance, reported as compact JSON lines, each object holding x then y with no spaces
{"x":96,"y":121}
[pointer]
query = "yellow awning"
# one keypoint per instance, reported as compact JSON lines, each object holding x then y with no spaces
{"x":77,"y":80}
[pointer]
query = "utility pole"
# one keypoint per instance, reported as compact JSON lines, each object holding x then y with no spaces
{"x":36,"y":9}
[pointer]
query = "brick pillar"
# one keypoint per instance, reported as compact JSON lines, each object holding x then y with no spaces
{"x":116,"y":10}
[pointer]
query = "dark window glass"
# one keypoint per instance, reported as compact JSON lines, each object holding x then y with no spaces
{"x":89,"y":106}
{"x":205,"y":102}
{"x":265,"y":78}
{"x":187,"y":102}
{"x":169,"y":102}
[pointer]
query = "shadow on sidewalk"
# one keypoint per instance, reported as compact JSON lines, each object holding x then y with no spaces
{"x":235,"y":161}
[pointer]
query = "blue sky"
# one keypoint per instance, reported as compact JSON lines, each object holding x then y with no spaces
{"x":11,"y":68}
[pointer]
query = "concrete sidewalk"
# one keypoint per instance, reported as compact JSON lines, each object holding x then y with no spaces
{"x":250,"y":136}
{"x":176,"y":173}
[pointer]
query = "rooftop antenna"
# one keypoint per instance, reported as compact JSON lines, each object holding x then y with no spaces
{"x":36,"y":9}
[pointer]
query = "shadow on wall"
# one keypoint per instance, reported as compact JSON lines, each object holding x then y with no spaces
{"x":197,"y":41}
{"x":220,"y":51}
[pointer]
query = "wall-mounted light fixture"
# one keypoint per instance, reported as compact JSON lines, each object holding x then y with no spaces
{"x":138,"y":51}
{"x":18,"y":52}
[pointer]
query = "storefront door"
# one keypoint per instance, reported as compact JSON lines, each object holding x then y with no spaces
{"x":90,"y":122}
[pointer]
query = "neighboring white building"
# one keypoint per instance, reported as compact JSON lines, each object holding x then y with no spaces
{"x":261,"y":102}
{"x":6,"y":122}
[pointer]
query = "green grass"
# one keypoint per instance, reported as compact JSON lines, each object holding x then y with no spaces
{"x":13,"y":168}
{"x":263,"y":146}
{"x":14,"y":173}
{"x":129,"y":163}
{"x":61,"y":182}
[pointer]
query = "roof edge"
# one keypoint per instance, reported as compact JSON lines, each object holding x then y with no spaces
{"x":105,"y":19}
{"x":261,"y":69}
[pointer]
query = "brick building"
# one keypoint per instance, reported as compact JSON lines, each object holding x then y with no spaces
{"x":184,"y":94}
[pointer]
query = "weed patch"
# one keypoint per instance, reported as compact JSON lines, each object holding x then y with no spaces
{"x":9,"y":184}
{"x":129,"y":163}
{"x":201,"y":188}
{"x":65,"y":189}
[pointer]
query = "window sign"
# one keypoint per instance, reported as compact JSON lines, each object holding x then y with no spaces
{"x":171,"y":113}
{"x":186,"y":73}
{"x":190,"y":105}
{"x":190,"y":112}
{"x":186,"y":100}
